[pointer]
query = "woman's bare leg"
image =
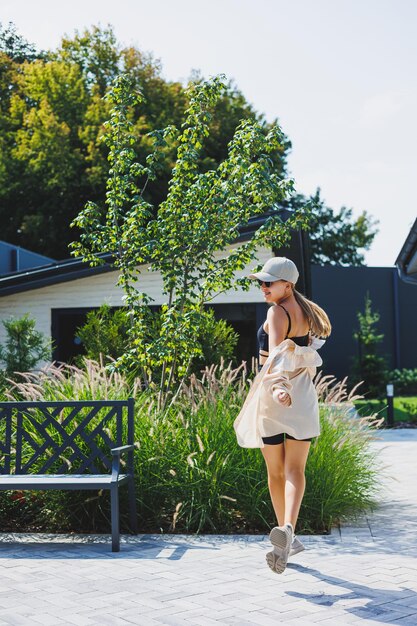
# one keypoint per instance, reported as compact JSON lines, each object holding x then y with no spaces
{"x":275,"y":463}
{"x":296,"y":453}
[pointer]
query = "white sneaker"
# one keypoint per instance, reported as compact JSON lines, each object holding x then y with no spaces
{"x":281,"y":538}
{"x":296,"y":546}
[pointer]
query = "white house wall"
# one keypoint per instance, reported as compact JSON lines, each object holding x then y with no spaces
{"x":93,"y":291}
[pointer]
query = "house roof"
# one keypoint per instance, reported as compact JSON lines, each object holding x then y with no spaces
{"x":57,"y":272}
{"x":71,"y":269}
{"x":407,"y":259}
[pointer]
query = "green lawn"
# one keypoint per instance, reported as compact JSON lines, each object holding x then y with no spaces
{"x":402,"y":413}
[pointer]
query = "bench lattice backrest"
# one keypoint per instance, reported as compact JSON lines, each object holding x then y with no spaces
{"x":63,"y":437}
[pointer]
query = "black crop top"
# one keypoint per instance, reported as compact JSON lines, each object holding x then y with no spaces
{"x":264,"y":340}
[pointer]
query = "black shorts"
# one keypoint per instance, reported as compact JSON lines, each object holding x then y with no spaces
{"x":276,"y":439}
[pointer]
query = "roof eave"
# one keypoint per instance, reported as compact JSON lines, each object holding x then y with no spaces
{"x":46,"y":280}
{"x":406,"y":261}
{"x":71,"y":269}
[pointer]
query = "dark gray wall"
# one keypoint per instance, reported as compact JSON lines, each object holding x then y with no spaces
{"x":341,"y":292}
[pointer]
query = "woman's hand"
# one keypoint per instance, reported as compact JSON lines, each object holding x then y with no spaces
{"x":284,"y":398}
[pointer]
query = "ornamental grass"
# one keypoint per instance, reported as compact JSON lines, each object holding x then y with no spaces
{"x":191,"y":476}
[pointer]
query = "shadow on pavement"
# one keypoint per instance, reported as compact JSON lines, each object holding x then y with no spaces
{"x":377,"y":600}
{"x":141,"y":549}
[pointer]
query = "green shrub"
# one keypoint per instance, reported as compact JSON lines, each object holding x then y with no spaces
{"x":405,"y":381}
{"x":106,"y":332}
{"x":369,"y":367}
{"x":25,"y":347}
{"x":410,"y":408}
{"x":342,"y":471}
{"x":191,"y":474}
{"x":218,"y":341}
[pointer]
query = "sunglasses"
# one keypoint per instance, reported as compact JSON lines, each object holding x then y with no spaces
{"x":267,"y":283}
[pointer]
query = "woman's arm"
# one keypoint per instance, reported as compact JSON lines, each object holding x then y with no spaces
{"x":277,"y":331}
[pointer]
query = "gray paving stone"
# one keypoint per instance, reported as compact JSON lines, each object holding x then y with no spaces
{"x":411,"y":620}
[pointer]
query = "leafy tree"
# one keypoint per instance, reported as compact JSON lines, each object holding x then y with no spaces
{"x":97,"y":54}
{"x":52,"y":159}
{"x":14,"y":51}
{"x":336,"y":238}
{"x":16,"y":47}
{"x":24,"y":346}
{"x":370,"y":367}
{"x":199,"y":220}
{"x":45,"y":155}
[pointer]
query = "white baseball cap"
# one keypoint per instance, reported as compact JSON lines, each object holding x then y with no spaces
{"x":277,"y":268}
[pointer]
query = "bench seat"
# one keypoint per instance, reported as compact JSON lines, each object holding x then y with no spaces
{"x":59,"y":481}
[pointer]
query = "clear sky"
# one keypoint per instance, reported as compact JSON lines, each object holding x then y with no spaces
{"x":340,"y":76}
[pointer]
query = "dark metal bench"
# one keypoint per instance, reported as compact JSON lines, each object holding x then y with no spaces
{"x":70,"y":445}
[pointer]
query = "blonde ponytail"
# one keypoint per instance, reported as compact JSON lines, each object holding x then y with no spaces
{"x":317,"y":318}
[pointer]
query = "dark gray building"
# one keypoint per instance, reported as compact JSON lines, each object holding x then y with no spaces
{"x":341,"y":291}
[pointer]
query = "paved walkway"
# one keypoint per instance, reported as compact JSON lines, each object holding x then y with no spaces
{"x":365,"y":574}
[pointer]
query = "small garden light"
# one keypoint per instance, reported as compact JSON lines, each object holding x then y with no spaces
{"x":390,"y":405}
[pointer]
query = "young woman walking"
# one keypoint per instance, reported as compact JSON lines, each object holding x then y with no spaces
{"x":280,"y":414}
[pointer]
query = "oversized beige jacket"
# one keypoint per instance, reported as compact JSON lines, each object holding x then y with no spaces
{"x":290,"y":368}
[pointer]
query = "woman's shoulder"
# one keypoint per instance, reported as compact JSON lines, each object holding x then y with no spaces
{"x":277,"y":316}
{"x":276,"y":313}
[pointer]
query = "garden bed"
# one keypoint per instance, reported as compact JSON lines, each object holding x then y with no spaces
{"x":192,"y":477}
